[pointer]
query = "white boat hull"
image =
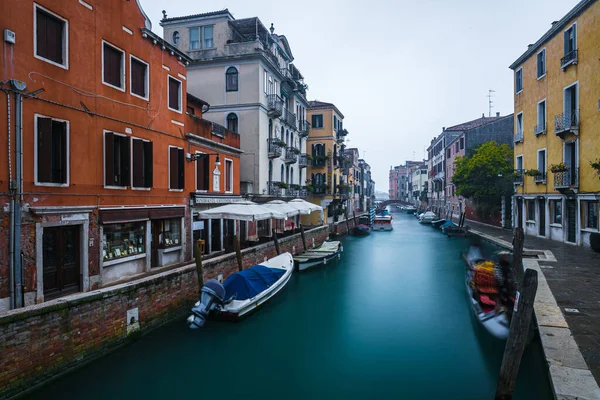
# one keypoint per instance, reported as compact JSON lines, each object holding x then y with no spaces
{"x":327,"y":252}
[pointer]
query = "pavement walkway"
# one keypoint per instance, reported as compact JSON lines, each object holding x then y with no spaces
{"x":574,"y":280}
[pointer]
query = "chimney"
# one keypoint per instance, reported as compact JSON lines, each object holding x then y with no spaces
{"x":272,"y":28}
{"x":497,"y":114}
{"x":482,"y":115}
{"x":553,"y":22}
{"x":443,"y":128}
{"x":529,"y":46}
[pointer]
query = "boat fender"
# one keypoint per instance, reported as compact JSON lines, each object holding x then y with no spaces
{"x":325,"y":261}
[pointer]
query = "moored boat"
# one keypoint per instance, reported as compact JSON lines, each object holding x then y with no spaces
{"x":243,"y":292}
{"x":382,"y":223}
{"x":361,"y":230}
{"x":438,"y":223}
{"x":410,"y":209}
{"x":427,"y":218}
{"x":328,"y":252}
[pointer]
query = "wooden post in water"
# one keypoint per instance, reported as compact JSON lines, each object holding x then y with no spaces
{"x":517,"y":261}
{"x":347,"y":224}
{"x":198,"y":249}
{"x":303,"y":237}
{"x":238,"y":252}
{"x":517,"y":337}
{"x":276,"y":241}
{"x":354,"y":217}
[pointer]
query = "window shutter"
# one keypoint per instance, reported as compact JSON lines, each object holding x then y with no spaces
{"x":202,"y":172}
{"x":173,"y":94}
{"x":138,"y":163}
{"x":138,"y":78}
{"x":44,"y":160}
{"x":40,"y":34}
{"x":148,"y":166}
{"x":109,"y":161}
{"x":180,"y":161}
{"x":59,"y":150}
{"x":125,"y":161}
{"x":173,"y":165}
{"x":54,"y":34}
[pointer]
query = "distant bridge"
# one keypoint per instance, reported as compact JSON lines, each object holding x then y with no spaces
{"x":386,"y":203}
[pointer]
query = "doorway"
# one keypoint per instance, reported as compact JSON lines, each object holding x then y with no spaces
{"x":542,"y":210}
{"x":571,"y":221}
{"x":61,"y":261}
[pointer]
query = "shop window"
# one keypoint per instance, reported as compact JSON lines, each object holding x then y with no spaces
{"x":176,"y":168}
{"x":116,"y":159}
{"x":142,"y":163}
{"x":52,"y":151}
{"x":591,"y":214}
{"x":123,"y":240}
{"x":556,"y":211}
{"x":169,"y":232}
{"x":530,"y":210}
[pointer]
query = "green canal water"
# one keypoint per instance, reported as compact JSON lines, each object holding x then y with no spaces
{"x":390,"y":320}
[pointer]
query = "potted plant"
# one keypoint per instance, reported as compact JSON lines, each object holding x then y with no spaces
{"x":309,"y":157}
{"x":283,"y":185}
{"x":280,"y":143}
{"x":560,"y":167}
{"x":310,"y":188}
{"x":296,"y":150}
{"x":596,"y":166}
{"x":532,"y":172}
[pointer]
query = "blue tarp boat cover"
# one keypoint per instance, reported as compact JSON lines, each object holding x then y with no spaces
{"x":250,"y":282}
{"x":447,"y":224}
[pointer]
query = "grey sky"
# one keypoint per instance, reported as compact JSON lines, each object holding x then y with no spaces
{"x":398,"y":70}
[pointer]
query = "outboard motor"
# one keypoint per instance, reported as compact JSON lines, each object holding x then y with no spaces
{"x":211,"y":298}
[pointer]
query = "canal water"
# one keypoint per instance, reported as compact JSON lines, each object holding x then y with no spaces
{"x":390,"y":320}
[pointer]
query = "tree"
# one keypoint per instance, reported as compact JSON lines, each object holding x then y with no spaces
{"x":486,"y":174}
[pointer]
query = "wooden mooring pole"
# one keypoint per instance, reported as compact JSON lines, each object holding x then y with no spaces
{"x":518,"y":241}
{"x":198,"y":250}
{"x":303,"y":237}
{"x":517,"y":337}
{"x":238,"y":252}
{"x":276,"y":241}
{"x":347,"y":224}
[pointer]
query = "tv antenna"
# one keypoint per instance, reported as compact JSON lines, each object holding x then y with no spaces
{"x":490,"y":102}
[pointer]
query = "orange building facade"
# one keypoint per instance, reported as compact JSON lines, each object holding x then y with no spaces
{"x":111,"y":173}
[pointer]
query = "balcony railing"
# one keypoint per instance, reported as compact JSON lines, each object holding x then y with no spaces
{"x":566,"y":179}
{"x":287,"y":74}
{"x":566,"y":122}
{"x":303,"y":160}
{"x":518,"y":136}
{"x":340,"y":135}
{"x":539,"y":129}
{"x":568,"y":59}
{"x":303,"y":192}
{"x":289,"y":118}
{"x":519,"y":175}
{"x":291,"y":155}
{"x":274,"y":105}
{"x":540,"y":177}
{"x":320,"y":190}
{"x":319,"y":161}
{"x":303,"y":128}
{"x":274,"y":148}
{"x":275,"y":189}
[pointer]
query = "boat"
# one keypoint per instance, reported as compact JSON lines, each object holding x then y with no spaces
{"x":483,"y":305}
{"x":410,"y":209}
{"x":328,"y":252}
{"x":455,"y":230}
{"x":438,"y":223}
{"x":361,"y":230}
{"x":243,"y":292}
{"x":427,"y":217}
{"x":382,"y":223}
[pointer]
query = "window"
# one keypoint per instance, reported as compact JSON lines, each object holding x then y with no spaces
{"x":519,"y":80}
{"x":174,"y":94}
{"x":123,"y":240}
{"x":519,"y":163}
{"x":139,"y":77}
{"x":176,"y":38}
{"x":571,"y":104}
{"x":570,"y":43}
{"x":541,"y":164}
{"x":202,"y":173}
{"x":531,"y":210}
{"x":265,"y":81}
{"x":176,"y":168}
{"x":541,"y":63}
{"x":232,"y":122}
{"x":142,"y":163}
{"x":116,"y":159}
{"x":448,"y":153}
{"x":556,"y":211}
{"x":519,"y":123}
{"x":52,"y":151}
{"x":194,"y":38}
{"x":462,"y":143}
{"x":317,"y":121}
{"x":541,"y":117}
{"x":228,"y":176}
{"x":169,"y":232}
{"x":456,"y":147}
{"x":113,"y":66}
{"x":208,"y":37}
{"x":51,"y":39}
{"x":335,"y":123}
{"x":591,"y":214}
{"x":231,"y":79}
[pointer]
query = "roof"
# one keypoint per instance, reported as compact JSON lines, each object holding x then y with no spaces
{"x":556,"y":27}
{"x":166,"y":45}
{"x":476,"y":123}
{"x":321,"y":105}
{"x":206,"y":14}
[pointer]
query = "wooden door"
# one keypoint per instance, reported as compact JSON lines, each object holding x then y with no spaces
{"x":542,"y":207}
{"x":571,"y":221}
{"x":61,"y":261}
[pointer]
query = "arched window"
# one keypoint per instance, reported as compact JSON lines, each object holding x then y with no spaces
{"x":231,"y":79}
{"x":232,"y":122}
{"x":176,"y":38}
{"x":282,"y":174}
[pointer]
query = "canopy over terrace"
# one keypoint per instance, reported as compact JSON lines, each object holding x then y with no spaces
{"x":282,"y":207}
{"x":304,"y":207}
{"x":243,"y":211}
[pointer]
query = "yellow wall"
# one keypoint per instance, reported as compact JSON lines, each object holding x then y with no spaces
{"x":550,"y":87}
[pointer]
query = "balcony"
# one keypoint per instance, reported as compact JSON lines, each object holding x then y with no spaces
{"x":568,"y":59}
{"x":567,"y":122}
{"x":303,"y":128}
{"x":568,"y":179}
{"x":274,"y":105}
{"x":540,"y":177}
{"x":289,"y":118}
{"x":287,"y":75}
{"x":275,"y":189}
{"x":319,"y":161}
{"x":291,"y":155}
{"x":274,"y":148}
{"x":518,"y":137}
{"x":519,"y":175}
{"x":303,"y":192}
{"x":218,"y":130}
{"x":320,"y":190}
{"x":539,"y":129}
{"x":340,"y":135}
{"x":303,"y":160}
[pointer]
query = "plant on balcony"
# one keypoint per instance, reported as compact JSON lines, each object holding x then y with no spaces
{"x":294,"y":186}
{"x":596,"y":165}
{"x":283,"y":185}
{"x":310,"y":188}
{"x":532,"y":172}
{"x":560,"y":167}
{"x":279,"y":142}
{"x":309,"y":157}
{"x":296,"y":150}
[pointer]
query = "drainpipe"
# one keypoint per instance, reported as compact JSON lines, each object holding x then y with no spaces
{"x":18,"y":267}
{"x":11,"y":268}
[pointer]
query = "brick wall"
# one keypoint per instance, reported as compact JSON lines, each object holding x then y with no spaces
{"x":341,"y":228}
{"x":43,"y":340}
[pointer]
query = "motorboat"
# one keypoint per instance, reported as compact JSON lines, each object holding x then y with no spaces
{"x":438,"y":223}
{"x":427,"y":217}
{"x":243,"y":292}
{"x":327,"y":252}
{"x":382,"y":223}
{"x":361,"y":230}
{"x":410,"y":209}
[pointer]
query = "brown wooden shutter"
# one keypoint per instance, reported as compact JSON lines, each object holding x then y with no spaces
{"x":59,"y":152}
{"x":44,"y":166}
{"x":138,"y":78}
{"x":40,"y":34}
{"x":125,"y":161}
{"x":200,"y":173}
{"x":205,"y":161}
{"x":148,"y":164}
{"x":54,"y":35}
{"x":180,"y":163}
{"x":109,"y":161}
{"x":173,"y":166}
{"x":112,"y":65}
{"x":138,"y":163}
{"x":173,"y":94}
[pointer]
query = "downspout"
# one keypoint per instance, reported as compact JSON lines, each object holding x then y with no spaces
{"x":11,"y":268}
{"x":17,"y":209}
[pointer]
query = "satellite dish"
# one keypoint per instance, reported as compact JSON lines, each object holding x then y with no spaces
{"x":18,"y":85}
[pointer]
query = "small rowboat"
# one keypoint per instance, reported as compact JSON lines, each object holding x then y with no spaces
{"x":322,"y":255}
{"x":361,"y":230}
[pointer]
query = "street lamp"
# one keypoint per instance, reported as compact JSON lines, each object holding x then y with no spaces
{"x":197,"y":156}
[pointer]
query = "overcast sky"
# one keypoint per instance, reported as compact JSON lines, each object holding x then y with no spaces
{"x":398,"y":70}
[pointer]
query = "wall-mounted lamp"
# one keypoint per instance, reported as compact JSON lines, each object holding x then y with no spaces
{"x":196,"y":157}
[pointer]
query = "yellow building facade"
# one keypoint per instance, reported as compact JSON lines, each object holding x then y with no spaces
{"x":325,"y":143}
{"x":557,"y":123}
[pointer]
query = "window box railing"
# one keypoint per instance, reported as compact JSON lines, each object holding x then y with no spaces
{"x":303,"y":128}
{"x":539,"y":129}
{"x":540,"y":177}
{"x":289,"y":118}
{"x":274,"y":148}
{"x":566,"y":122}
{"x":291,"y":155}
{"x":566,"y":179}
{"x":518,"y":136}
{"x":568,"y":59}
{"x":519,"y":176}
{"x":303,"y":160}
{"x":274,"y":105}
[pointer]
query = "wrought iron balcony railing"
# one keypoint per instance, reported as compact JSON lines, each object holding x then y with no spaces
{"x":274,"y":105}
{"x":518,"y":136}
{"x":287,"y":74}
{"x":566,"y":122}
{"x":303,"y":160}
{"x":289,"y":118}
{"x":566,"y":179}
{"x":320,"y":190}
{"x":274,"y":148}
{"x":568,"y":59}
{"x":540,"y":177}
{"x":319,"y":161}
{"x":275,"y":189}
{"x":539,"y":129}
{"x":303,"y":128}
{"x":340,"y":135}
{"x":303,"y":192}
{"x":291,"y":155}
{"x":519,"y":175}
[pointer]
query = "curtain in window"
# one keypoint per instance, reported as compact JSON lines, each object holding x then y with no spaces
{"x":194,"y":38}
{"x":208,"y":37}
